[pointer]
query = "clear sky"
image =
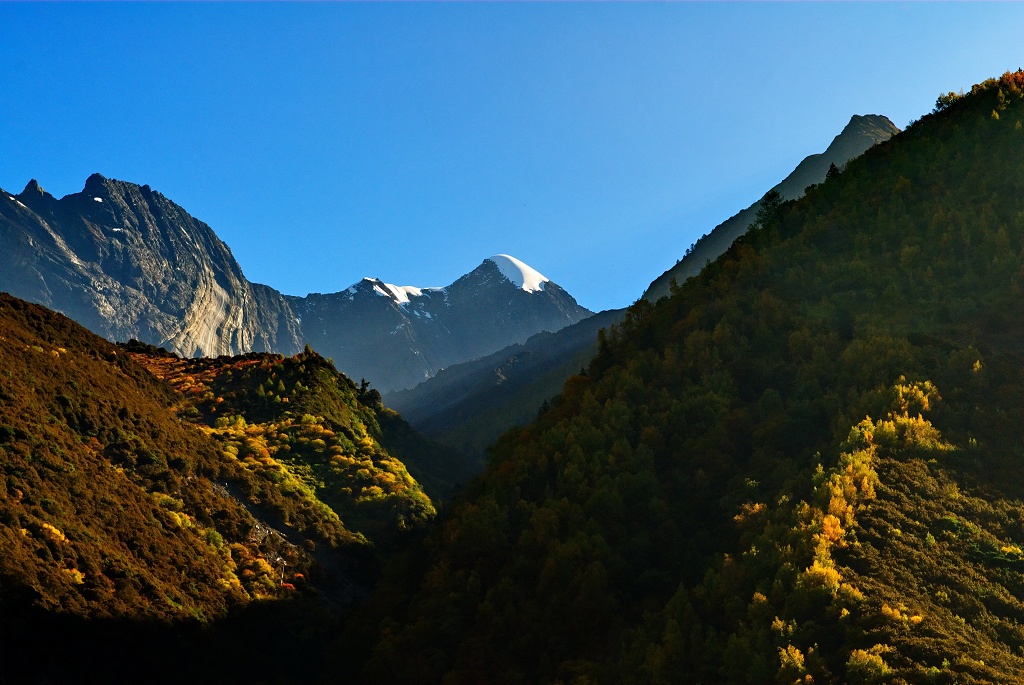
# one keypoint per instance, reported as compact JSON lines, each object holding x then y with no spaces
{"x":327,"y":142}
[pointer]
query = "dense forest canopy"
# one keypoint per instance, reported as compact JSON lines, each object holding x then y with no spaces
{"x":802,"y":466}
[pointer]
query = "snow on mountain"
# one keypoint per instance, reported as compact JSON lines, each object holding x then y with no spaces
{"x":520,"y":274}
{"x":517,"y":272}
{"x":399,"y":293}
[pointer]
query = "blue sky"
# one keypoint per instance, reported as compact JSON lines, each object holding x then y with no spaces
{"x":326,"y":142}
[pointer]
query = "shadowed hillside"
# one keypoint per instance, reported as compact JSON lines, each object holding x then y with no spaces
{"x":469,"y":405}
{"x":117,"y":520}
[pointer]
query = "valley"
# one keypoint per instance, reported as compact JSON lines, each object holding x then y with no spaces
{"x":796,"y":457}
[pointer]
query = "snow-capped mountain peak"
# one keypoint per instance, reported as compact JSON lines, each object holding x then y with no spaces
{"x":518,"y":273}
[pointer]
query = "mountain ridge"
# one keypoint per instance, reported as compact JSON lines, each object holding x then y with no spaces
{"x":468,"y":405}
{"x":477,"y":314}
{"x":860,"y":134}
{"x":129,"y":263}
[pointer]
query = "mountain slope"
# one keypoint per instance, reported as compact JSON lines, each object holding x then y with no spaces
{"x":142,"y":515}
{"x":469,"y":405}
{"x":122,"y":545}
{"x":860,"y":134}
{"x":273,"y":395}
{"x":296,"y":420}
{"x":709,"y":503}
{"x":281,"y":436}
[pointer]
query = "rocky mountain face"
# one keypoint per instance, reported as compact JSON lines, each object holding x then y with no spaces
{"x":408,"y":334}
{"x":862,"y":133}
{"x":126,"y":262}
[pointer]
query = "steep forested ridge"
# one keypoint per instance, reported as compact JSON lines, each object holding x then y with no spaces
{"x":95,"y":470}
{"x":803,"y":466}
{"x":859,"y":135}
{"x":468,"y":405}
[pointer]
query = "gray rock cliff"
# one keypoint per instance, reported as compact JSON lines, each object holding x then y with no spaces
{"x":127,"y":262}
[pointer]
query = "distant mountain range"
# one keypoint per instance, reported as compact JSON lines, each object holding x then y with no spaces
{"x":127,"y":262}
{"x":399,"y":336}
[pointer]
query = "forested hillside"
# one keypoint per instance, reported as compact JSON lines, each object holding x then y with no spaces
{"x":299,"y":418}
{"x":121,"y":542}
{"x":246,"y":501}
{"x":803,"y":466}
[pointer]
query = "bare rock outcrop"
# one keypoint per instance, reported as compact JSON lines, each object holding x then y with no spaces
{"x":127,"y":262}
